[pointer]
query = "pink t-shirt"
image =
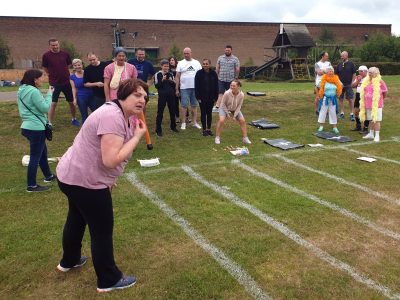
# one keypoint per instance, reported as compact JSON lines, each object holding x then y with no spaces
{"x":128,"y":72}
{"x":82,"y":164}
{"x":369,"y":92}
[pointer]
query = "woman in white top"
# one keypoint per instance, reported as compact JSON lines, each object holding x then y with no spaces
{"x":230,"y":107}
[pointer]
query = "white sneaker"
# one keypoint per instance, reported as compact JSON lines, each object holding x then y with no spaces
{"x":215,"y":109}
{"x":368,"y":136}
{"x":376,"y":139}
{"x":183,"y":126}
{"x":217,"y":140}
{"x":196,"y":125}
{"x":246,"y":140}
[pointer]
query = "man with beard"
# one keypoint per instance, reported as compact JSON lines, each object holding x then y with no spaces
{"x":228,"y":69}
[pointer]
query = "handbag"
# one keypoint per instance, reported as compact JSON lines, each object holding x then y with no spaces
{"x":48,"y":129}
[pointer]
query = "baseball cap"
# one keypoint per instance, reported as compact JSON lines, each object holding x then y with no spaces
{"x":363,"y":68}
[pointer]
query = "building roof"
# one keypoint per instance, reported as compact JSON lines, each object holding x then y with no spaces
{"x":293,"y":35}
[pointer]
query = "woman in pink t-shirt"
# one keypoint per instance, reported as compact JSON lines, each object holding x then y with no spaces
{"x":372,"y":94}
{"x":117,"y":72}
{"x":86,"y":174}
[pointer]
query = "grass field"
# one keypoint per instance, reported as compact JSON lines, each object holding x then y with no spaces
{"x":299,"y":224}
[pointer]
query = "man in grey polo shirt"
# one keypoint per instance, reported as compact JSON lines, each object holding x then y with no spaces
{"x":228,"y":68}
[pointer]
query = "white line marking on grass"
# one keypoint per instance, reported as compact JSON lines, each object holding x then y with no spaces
{"x":232,"y":267}
{"x":336,"y":263}
{"x":318,"y":200}
{"x":340,"y":180}
{"x":374,"y":156}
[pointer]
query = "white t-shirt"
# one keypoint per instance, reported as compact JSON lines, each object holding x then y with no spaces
{"x":320,"y":66}
{"x":188,"y":69}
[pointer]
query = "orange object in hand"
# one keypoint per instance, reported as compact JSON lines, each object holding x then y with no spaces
{"x":147,"y":134}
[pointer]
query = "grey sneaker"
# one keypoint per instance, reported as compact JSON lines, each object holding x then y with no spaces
{"x":123,"y":283}
{"x":81,"y":262}
{"x":37,"y":188}
{"x":50,"y":179}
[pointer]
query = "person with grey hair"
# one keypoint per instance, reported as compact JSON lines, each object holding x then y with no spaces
{"x":83,"y":96}
{"x":165,"y":83}
{"x":117,"y":72}
{"x":372,"y":94}
{"x":362,"y":74}
{"x":347,"y":73}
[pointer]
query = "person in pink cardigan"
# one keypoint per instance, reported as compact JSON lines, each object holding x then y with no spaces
{"x":117,"y":72}
{"x":230,"y":107}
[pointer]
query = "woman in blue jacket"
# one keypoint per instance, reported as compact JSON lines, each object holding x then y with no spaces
{"x":33,"y":109}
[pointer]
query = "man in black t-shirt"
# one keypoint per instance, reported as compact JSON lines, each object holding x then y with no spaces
{"x":93,"y":77}
{"x":347,"y":73}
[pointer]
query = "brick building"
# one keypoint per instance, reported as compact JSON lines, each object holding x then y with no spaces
{"x":28,"y":37}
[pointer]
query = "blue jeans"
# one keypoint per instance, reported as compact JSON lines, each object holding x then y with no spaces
{"x":38,"y":154}
{"x":85,"y":102}
{"x":188,"y":97}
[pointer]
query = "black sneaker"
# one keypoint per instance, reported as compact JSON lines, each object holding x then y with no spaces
{"x":159,"y":133}
{"x":37,"y":188}
{"x":175,"y":130}
{"x":50,"y":179}
{"x":209,"y":132}
{"x":205,"y":133}
{"x":357,"y":128}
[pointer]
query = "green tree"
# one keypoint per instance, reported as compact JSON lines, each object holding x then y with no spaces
{"x":175,"y":51}
{"x":381,"y":47}
{"x":70,"y":48}
{"x":4,"y":54}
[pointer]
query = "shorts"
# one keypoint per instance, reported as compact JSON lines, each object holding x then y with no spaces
{"x":223,"y":86}
{"x":357,"y":101}
{"x":348,"y":91}
{"x":222,"y":113}
{"x":67,"y":91}
{"x":378,"y":117}
{"x":188,"y":96}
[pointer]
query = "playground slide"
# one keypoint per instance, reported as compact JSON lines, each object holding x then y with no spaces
{"x":263,"y":67}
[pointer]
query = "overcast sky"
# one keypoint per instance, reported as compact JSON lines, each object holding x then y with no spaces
{"x":285,"y":11}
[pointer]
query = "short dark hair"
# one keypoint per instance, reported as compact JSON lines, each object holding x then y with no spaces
{"x":140,"y":49}
{"x":164,"y":62}
{"x":30,"y":76}
{"x":52,"y":40}
{"x":207,"y":59}
{"x":229,"y":46}
{"x":127,"y":87}
{"x":322,"y":54}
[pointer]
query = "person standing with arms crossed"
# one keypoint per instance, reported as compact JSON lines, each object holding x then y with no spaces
{"x":56,"y":62}
{"x":228,"y":69}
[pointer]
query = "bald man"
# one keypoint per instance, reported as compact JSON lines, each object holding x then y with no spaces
{"x":185,"y":73}
{"x":347,"y":73}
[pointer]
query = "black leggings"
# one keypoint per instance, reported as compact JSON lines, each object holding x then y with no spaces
{"x":94,"y":208}
{"x":206,"y":113}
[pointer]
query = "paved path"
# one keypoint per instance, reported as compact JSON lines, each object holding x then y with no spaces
{"x":8,"y":96}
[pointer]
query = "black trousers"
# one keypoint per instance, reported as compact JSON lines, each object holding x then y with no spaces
{"x":206,"y":107}
{"x":94,"y":208}
{"x":163,"y":100}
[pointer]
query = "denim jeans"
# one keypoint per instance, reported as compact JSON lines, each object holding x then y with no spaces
{"x":38,"y":154}
{"x":85,"y":102}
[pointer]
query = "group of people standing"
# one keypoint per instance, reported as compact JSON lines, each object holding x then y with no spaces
{"x":371,"y":91}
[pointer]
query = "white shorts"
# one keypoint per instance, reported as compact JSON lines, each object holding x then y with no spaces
{"x":378,"y":117}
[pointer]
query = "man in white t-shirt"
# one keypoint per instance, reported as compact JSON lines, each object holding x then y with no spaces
{"x":320,"y":67}
{"x":185,"y":73}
